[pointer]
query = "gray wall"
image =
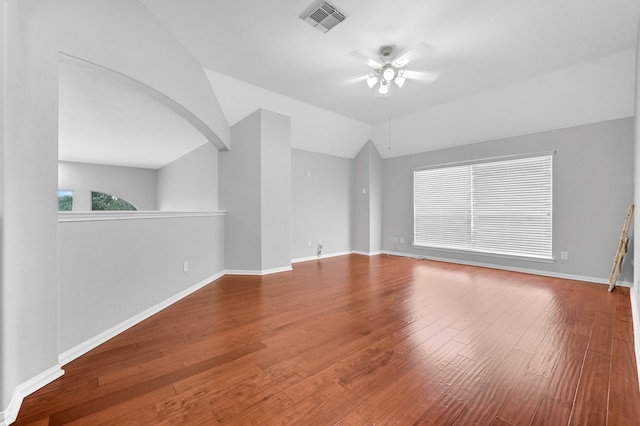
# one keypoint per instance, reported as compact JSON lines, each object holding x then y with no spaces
{"x":255,"y":190}
{"x":275,"y":180}
{"x":112,"y":270}
{"x":375,"y":199}
{"x":240,"y":197}
{"x":190,"y":183}
{"x":367,"y":200}
{"x":136,"y":185}
{"x":360,"y":228}
{"x":321,"y":204}
{"x":593,"y":187}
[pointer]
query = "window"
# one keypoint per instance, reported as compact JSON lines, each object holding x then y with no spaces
{"x":65,"y":200}
{"x":102,"y":201}
{"x":499,"y":207}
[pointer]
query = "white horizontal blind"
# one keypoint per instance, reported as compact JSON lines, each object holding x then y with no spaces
{"x":509,"y":205}
{"x":512,"y":207}
{"x":442,"y":207}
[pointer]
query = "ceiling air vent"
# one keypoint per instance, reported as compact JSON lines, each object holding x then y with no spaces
{"x":323,"y":16}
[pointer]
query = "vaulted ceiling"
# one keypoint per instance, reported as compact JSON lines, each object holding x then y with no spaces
{"x":487,"y":53}
{"x":477,"y":46}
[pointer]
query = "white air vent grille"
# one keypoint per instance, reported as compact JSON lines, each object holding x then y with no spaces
{"x":323,"y":16}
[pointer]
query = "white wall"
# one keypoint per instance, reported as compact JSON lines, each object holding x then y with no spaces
{"x":312,"y":128}
{"x":635,"y":290}
{"x":112,"y":270}
{"x":586,"y":93}
{"x":136,"y":185}
{"x":190,"y":183}
{"x":117,"y":34}
{"x":592,"y":190}
{"x":321,"y":204}
{"x":29,"y":222}
{"x":4,"y":396}
{"x":122,"y":35}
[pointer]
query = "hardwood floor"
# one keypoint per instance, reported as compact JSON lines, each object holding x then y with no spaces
{"x":355,"y":340}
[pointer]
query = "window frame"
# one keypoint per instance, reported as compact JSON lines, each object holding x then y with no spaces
{"x":546,"y":257}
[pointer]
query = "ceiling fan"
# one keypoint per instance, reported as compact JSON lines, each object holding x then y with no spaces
{"x":390,"y":68}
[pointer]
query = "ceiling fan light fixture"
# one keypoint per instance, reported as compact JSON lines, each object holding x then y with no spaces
{"x":372,"y":80}
{"x":384,"y":88}
{"x":388,"y":73}
{"x":399,"y":80}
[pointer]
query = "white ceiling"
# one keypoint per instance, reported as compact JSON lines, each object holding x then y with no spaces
{"x":106,"y":118}
{"x":256,"y":50}
{"x":478,"y":46}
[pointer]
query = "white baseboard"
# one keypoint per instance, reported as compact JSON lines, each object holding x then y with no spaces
{"x":10,"y":414}
{"x":258,"y":272}
{"x":635,"y":306}
{"x":367,"y":253}
{"x":95,"y":341}
{"x":551,"y":274}
{"x":324,"y":256}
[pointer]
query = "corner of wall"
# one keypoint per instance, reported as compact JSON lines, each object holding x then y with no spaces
{"x":10,"y":414}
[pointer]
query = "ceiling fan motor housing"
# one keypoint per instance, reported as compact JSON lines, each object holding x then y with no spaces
{"x":385,"y":52}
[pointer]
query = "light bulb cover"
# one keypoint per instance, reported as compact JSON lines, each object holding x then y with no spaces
{"x":384,"y":88}
{"x":371,"y":81}
{"x":399,"y":80}
{"x":389,"y":73}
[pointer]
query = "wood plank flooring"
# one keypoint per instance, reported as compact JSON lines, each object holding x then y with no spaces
{"x":358,"y":340}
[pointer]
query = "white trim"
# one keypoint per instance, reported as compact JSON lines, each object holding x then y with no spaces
{"x":635,"y":305}
{"x":92,"y":216}
{"x":514,"y":269}
{"x":324,"y":256}
{"x":482,"y":253}
{"x":487,"y":160}
{"x":23,"y":390}
{"x":258,"y":272}
{"x":367,"y":253}
{"x":86,"y":346}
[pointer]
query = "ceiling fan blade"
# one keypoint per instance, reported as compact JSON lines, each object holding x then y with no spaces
{"x":354,"y":80}
{"x":416,"y":51}
{"x":421,"y":76}
{"x":369,"y":61}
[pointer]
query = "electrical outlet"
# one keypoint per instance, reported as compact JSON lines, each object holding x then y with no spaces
{"x":564,"y":255}
{"x":185,"y":266}
{"x":401,"y":240}
{"x":308,"y":243}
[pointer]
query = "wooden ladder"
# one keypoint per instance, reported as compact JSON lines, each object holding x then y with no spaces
{"x":623,"y":245}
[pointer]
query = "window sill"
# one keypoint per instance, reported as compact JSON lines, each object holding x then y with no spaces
{"x":480,"y":253}
{"x":129,"y":215}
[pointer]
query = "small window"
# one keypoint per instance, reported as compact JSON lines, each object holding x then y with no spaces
{"x":102,"y":201}
{"x":65,"y":201}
